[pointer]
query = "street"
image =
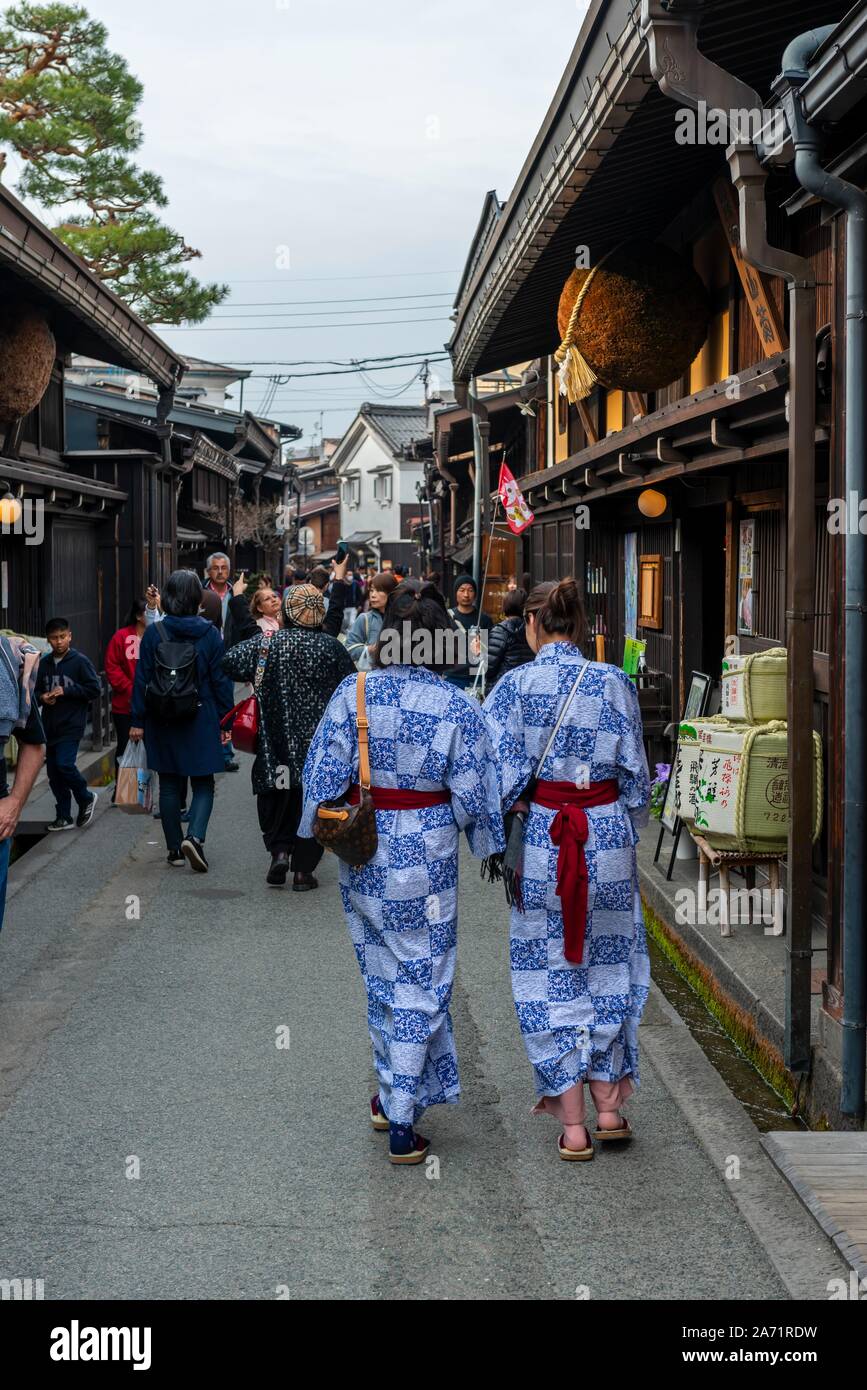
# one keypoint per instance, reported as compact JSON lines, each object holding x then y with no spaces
{"x":185,"y":1068}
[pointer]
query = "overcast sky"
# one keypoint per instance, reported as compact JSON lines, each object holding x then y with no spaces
{"x":348,"y":140}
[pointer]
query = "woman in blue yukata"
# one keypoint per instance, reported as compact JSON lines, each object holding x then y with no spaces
{"x":580,"y":969}
{"x":433,"y":774}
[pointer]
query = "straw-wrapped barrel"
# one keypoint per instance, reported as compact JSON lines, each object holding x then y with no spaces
{"x":633,"y":322}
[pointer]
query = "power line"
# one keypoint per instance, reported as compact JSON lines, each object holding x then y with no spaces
{"x":359,"y":299}
{"x":315,"y":279}
{"x":290,"y":327}
{"x":333,"y":361}
{"x":335,"y":313}
{"x":349,"y":371}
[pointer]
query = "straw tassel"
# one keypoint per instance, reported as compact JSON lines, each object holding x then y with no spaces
{"x":576,"y":376}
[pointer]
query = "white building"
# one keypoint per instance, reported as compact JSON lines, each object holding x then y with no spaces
{"x":203,"y":383}
{"x":378,"y":474}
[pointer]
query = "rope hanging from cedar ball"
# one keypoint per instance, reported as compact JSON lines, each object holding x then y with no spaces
{"x":27,"y":355}
{"x":633,"y":322}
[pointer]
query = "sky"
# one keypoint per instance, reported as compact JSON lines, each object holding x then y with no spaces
{"x":318,"y":150}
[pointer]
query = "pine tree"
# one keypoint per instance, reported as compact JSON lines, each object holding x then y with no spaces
{"x":68,"y":113}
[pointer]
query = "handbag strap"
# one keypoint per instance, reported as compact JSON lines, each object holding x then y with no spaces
{"x":260,"y":664}
{"x":363,"y":725}
{"x":563,"y":708}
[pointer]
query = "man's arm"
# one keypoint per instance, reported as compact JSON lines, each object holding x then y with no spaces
{"x":31,"y":755}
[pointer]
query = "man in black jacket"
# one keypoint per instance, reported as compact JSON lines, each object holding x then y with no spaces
{"x":65,"y":686}
{"x":466,"y":612}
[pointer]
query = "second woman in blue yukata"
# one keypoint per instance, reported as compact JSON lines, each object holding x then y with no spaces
{"x":433,"y":775}
{"x":579,"y":963}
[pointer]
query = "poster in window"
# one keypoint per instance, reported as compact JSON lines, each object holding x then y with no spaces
{"x":630,"y":583}
{"x":746,"y":577}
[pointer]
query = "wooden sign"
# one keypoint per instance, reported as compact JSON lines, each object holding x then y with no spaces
{"x":766,"y":317}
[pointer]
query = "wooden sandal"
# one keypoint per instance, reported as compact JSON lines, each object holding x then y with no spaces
{"x":378,"y":1117}
{"x":623,"y":1131}
{"x":574,"y":1155}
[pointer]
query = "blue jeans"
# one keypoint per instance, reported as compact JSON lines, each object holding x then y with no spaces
{"x":64,"y":777}
{"x":172,"y":786}
{"x":228,"y":752}
{"x":5,"y":847}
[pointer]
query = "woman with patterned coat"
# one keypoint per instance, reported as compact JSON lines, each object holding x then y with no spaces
{"x":301,"y":666}
{"x":433,"y":775}
{"x":580,"y":969}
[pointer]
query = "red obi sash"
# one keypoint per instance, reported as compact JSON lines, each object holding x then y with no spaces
{"x":399,"y":799}
{"x":569,"y":830}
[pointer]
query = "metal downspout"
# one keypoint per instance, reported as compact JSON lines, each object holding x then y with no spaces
{"x":481,"y":498}
{"x":853,"y":202}
{"x":686,"y":75}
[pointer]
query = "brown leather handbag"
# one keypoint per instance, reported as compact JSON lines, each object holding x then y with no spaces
{"x":350,"y":831}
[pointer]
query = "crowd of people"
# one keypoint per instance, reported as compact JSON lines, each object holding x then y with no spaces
{"x":541,"y":764}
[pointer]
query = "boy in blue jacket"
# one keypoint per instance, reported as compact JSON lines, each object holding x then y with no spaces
{"x":65,"y":686}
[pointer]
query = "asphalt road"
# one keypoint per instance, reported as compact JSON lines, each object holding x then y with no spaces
{"x":140,"y":1011}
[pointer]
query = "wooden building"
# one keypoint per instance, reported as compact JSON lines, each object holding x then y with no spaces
{"x":219,"y":460}
{"x":745,"y":449}
{"x":81,"y":536}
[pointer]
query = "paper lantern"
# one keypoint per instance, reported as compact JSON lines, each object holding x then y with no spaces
{"x":10,"y":510}
{"x":633,"y":322}
{"x":651,"y":502}
{"x":27,"y":355}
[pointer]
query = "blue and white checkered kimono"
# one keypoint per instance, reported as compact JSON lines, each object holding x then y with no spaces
{"x":401,"y":907}
{"x":579,"y":1022}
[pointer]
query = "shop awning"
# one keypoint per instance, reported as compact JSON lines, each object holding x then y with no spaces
{"x":359,"y":539}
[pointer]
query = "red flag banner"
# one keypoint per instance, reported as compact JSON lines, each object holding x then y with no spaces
{"x":518,"y":514}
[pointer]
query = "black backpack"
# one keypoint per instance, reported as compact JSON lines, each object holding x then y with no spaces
{"x":172,"y":693}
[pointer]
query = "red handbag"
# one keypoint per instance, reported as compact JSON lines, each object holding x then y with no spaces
{"x":245,"y":729}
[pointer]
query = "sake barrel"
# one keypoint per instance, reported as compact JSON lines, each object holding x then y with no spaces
{"x":741,"y":796}
{"x":27,"y":354}
{"x":754,"y":686}
{"x":686,"y":765}
{"x":644,"y":316}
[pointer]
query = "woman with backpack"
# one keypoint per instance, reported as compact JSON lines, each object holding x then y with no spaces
{"x":179,"y":696}
{"x":363,"y":635}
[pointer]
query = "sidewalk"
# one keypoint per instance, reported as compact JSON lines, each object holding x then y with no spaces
{"x":749,"y":969}
{"x":156,"y":1142}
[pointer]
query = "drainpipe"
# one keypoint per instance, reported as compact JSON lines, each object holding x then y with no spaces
{"x":686,"y":75}
{"x":851,"y":201}
{"x":482,"y":496}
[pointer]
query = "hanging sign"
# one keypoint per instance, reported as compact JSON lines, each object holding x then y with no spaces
{"x":763,"y":307}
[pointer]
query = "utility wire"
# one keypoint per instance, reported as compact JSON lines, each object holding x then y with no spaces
{"x":377,"y":275}
{"x":290,"y":327}
{"x":335,"y":313}
{"x":359,"y":299}
{"x":334,"y":361}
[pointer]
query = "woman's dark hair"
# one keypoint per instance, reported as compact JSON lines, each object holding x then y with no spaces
{"x":136,"y":609}
{"x":411,"y":609}
{"x":182,"y":596}
{"x":559,"y":610}
{"x":385,"y":582}
{"x":513,"y":603}
{"x":431,"y":591}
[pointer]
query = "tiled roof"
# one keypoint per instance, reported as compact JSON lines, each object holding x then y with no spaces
{"x":398,"y":424}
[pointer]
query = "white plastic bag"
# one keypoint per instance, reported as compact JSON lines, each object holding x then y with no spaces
{"x":134,"y":791}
